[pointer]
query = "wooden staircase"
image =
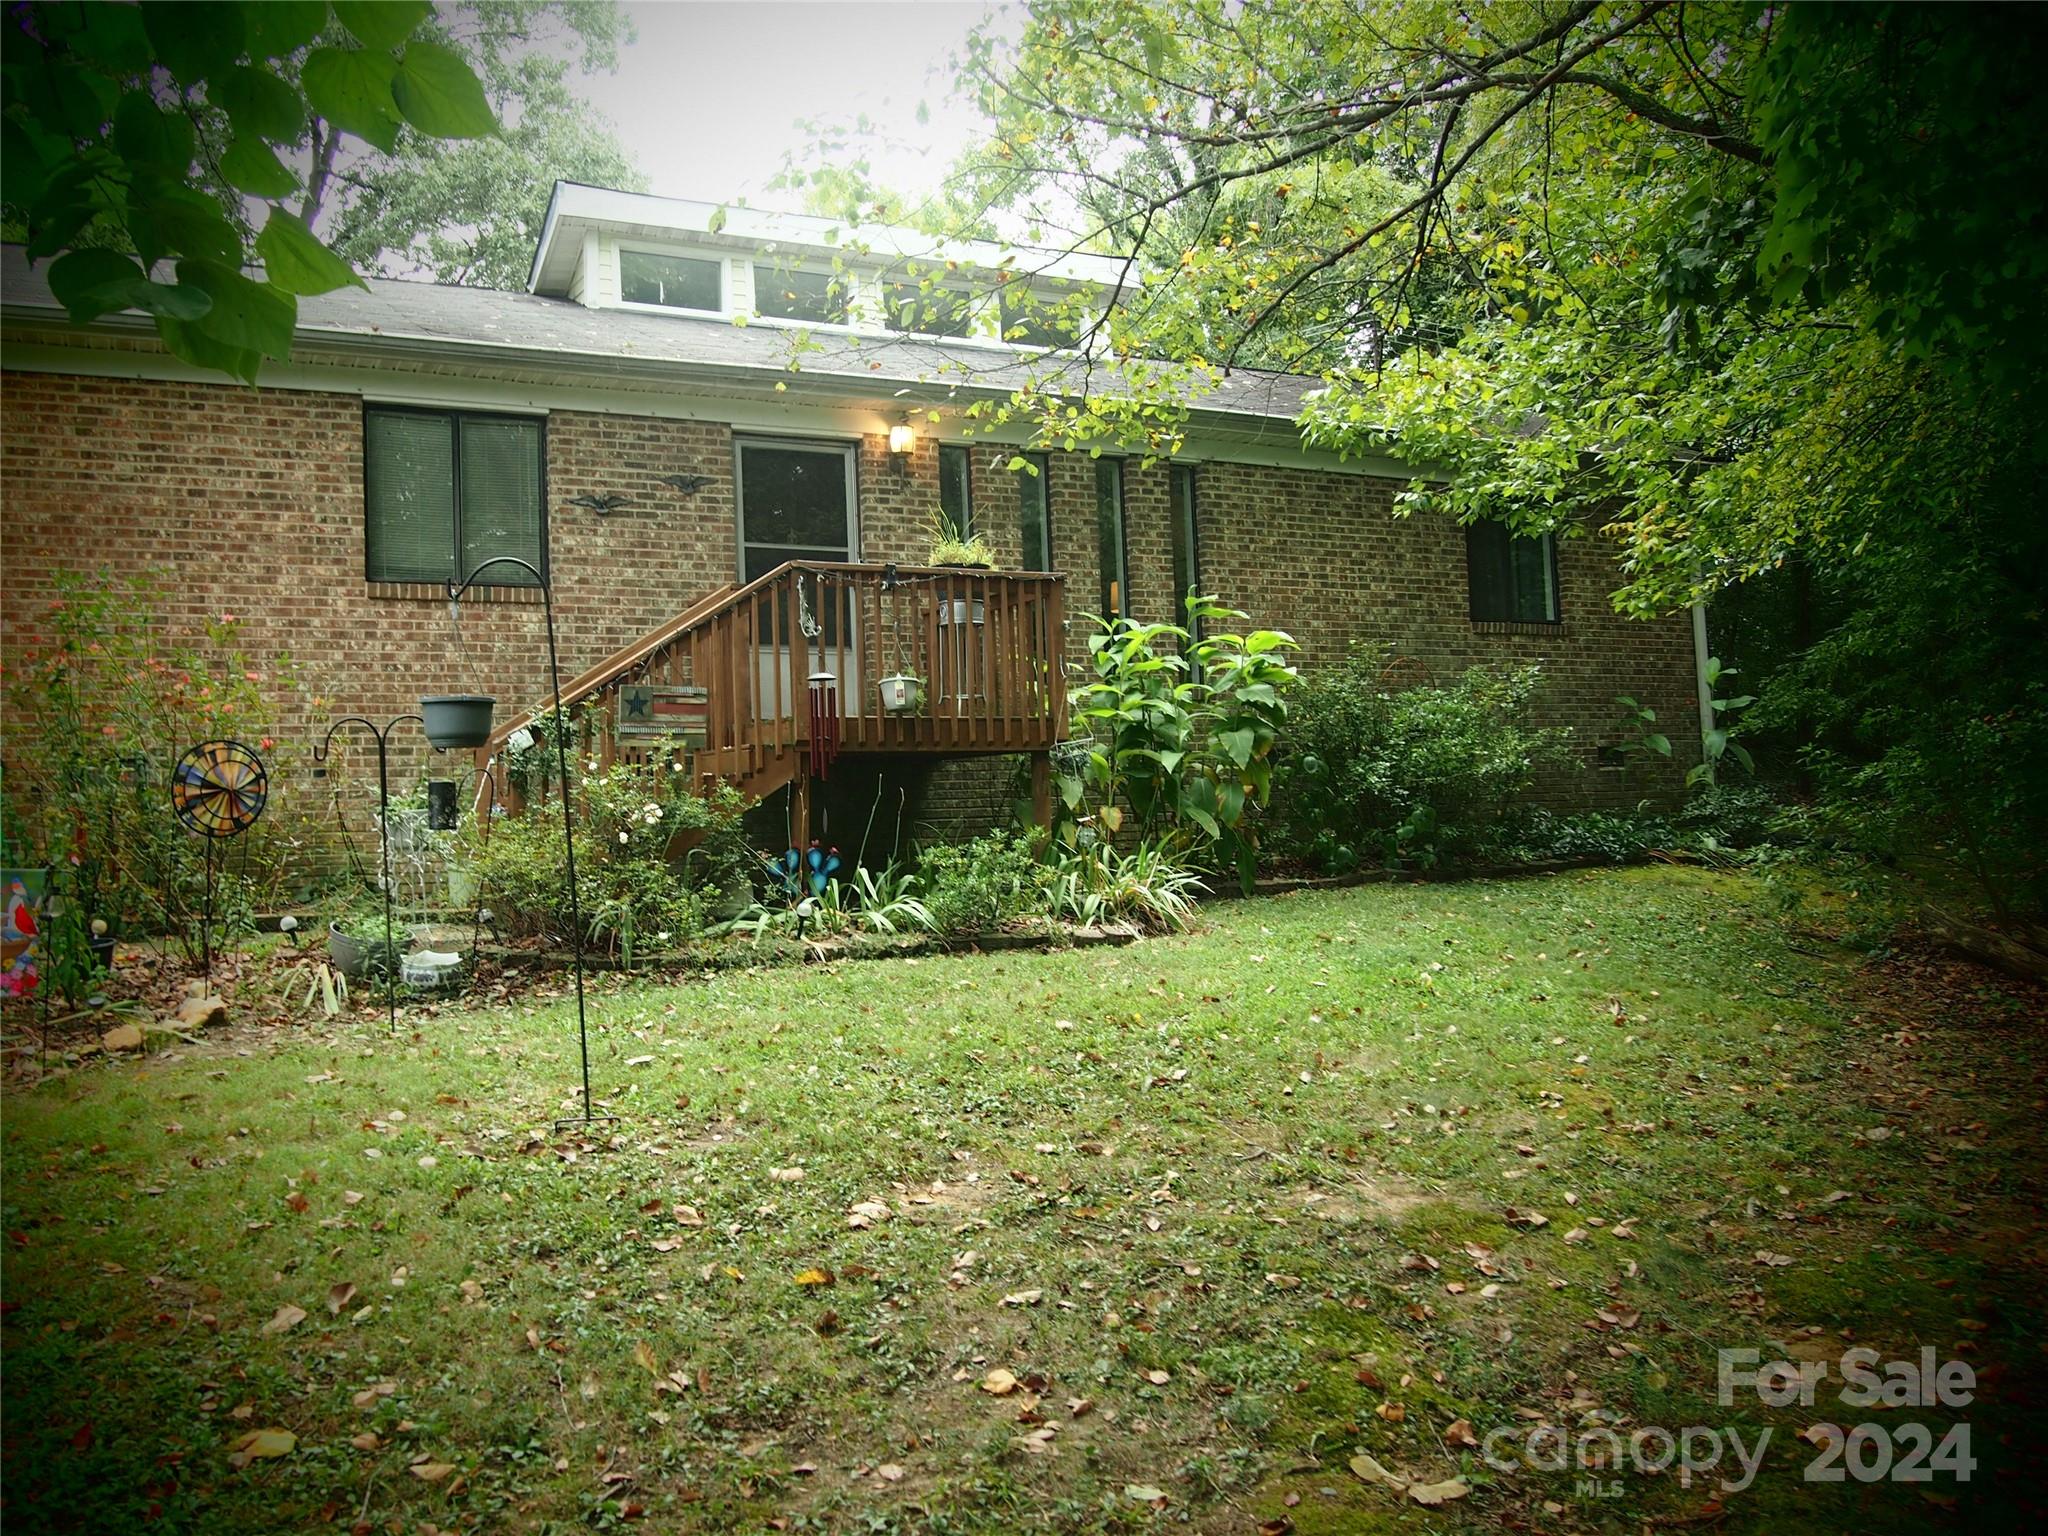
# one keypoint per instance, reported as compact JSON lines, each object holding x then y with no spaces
{"x":987,"y":644}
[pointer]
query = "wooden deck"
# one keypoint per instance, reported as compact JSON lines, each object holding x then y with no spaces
{"x":987,"y":645}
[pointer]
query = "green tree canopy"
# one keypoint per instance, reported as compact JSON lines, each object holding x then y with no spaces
{"x":1726,"y":285}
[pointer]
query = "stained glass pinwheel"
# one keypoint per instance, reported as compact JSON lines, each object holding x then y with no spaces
{"x":218,"y":788}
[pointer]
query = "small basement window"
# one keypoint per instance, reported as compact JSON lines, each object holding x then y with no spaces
{"x":674,"y":282}
{"x":1512,"y":580}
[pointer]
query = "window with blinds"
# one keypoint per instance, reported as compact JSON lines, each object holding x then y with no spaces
{"x":445,"y":491}
{"x":1512,"y":580}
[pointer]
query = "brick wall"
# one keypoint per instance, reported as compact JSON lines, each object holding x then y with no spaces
{"x":253,"y":503}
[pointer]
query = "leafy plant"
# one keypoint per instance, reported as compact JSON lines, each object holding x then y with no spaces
{"x":1180,"y":730}
{"x":1716,"y":744}
{"x":106,"y":702}
{"x":1148,"y":885}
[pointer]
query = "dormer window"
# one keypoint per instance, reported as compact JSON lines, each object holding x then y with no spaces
{"x":1037,"y":319}
{"x":785,"y":293}
{"x":674,"y":282}
{"x":938,"y":310}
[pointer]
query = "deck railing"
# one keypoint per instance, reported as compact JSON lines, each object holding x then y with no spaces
{"x":986,"y":646}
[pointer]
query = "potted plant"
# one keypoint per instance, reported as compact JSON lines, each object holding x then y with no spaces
{"x":355,"y":940}
{"x":457,"y":719}
{"x":954,"y":547}
{"x":902,"y":693}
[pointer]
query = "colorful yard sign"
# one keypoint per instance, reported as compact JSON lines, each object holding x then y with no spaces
{"x":20,"y":928}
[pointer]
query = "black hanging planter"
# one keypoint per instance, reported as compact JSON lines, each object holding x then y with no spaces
{"x":457,"y":719}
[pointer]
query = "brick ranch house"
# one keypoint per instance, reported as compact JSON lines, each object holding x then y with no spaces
{"x":712,"y":518}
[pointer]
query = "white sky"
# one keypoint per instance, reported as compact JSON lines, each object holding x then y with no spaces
{"x":708,"y":99}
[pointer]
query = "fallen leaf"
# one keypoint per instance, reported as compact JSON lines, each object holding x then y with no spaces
{"x":813,"y":1278}
{"x":340,"y":1295}
{"x":999,"y":1383}
{"x":261,"y":1444}
{"x":1393,"y":1413}
{"x":1438,"y":1493}
{"x":1365,"y":1467}
{"x":1023,"y":1298}
{"x":1158,"y":1378}
{"x":644,"y":1358}
{"x":431,"y":1471}
{"x":1144,"y":1493}
{"x":287,"y":1318}
{"x":366,"y":1441}
{"x":889,"y":1472}
{"x":1460,"y":1433}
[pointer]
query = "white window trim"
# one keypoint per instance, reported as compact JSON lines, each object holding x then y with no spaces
{"x":725,"y":310}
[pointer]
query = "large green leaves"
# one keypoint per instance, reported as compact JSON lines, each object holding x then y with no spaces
{"x":440,"y":95}
{"x":296,"y":260}
{"x":351,"y":88}
{"x":105,"y":108}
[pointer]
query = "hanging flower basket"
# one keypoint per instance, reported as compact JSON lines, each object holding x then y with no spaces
{"x":902,"y":693}
{"x":457,"y":719}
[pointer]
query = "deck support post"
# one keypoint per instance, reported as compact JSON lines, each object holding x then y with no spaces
{"x":800,"y":804}
{"x":1041,"y":791}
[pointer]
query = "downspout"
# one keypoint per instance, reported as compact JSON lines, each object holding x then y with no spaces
{"x":1699,"y":672}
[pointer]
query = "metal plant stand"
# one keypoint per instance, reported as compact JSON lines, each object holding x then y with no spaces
{"x":455,"y":591}
{"x":383,"y":839}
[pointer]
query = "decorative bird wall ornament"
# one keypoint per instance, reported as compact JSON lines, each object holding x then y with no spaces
{"x":688,"y":485}
{"x":603,"y":504}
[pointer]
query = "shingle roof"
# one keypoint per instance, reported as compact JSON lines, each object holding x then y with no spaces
{"x":451,"y":322}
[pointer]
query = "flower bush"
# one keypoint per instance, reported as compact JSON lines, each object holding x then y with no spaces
{"x":654,"y":860}
{"x":102,"y":702}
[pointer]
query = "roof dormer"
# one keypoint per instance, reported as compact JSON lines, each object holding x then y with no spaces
{"x":628,"y":250}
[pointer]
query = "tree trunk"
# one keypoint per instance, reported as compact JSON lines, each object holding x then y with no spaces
{"x":2005,"y":952}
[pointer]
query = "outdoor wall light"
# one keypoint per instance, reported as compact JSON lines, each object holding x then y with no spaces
{"x":902,"y":438}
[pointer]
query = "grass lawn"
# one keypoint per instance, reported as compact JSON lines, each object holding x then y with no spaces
{"x":1104,"y":1240}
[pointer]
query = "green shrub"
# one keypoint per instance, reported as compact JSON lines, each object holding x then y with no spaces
{"x":1415,"y":775}
{"x":983,"y":885}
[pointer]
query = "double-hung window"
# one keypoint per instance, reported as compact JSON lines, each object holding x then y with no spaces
{"x":1034,"y":512}
{"x":445,"y":491}
{"x":956,"y":490}
{"x":1187,"y":570}
{"x":1109,"y":537}
{"x":1513,"y":580}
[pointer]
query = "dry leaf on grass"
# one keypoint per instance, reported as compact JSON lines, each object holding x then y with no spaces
{"x":813,"y":1278}
{"x":431,"y":1471}
{"x":288,"y":1317}
{"x":1023,"y":1298}
{"x":1438,"y":1493}
{"x":339,"y":1296}
{"x":261,"y":1444}
{"x":999,"y":1383}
